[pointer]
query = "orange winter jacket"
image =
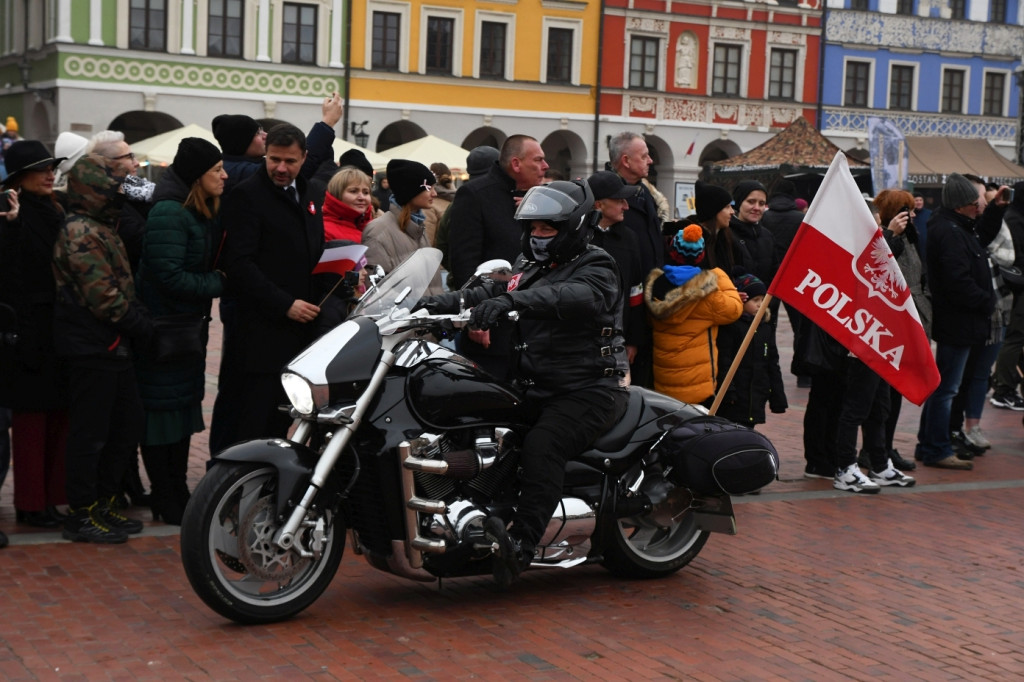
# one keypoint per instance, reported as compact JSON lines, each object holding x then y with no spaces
{"x":685,"y":326}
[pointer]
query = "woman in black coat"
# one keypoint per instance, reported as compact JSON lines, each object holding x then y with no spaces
{"x":31,"y":376}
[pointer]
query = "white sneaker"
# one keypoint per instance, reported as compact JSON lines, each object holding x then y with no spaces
{"x":892,"y":476}
{"x":853,"y":480}
{"x":976,"y":438}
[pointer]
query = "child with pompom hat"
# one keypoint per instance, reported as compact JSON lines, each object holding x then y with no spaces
{"x":687,"y":302}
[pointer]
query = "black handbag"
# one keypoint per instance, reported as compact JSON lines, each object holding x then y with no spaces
{"x":179,"y":337}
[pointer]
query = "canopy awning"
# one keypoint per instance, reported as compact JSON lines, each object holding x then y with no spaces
{"x":933,"y":158}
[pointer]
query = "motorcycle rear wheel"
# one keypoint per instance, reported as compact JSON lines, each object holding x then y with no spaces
{"x":228,"y":555}
{"x":637,"y":547}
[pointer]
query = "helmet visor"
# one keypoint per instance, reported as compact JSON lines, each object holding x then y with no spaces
{"x":544,"y":203}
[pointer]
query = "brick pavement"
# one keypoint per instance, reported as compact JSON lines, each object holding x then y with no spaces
{"x":923,"y":583}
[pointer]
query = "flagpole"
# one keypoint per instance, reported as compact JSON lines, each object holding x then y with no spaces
{"x":739,"y":354}
{"x":341,"y":279}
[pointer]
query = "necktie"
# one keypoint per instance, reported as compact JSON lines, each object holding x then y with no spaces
{"x":292,"y":194}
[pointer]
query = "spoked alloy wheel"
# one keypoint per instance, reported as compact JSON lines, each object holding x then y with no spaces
{"x":230,"y":558}
{"x":652,"y":545}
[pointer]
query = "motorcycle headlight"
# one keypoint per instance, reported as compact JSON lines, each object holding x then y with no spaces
{"x":299,"y":392}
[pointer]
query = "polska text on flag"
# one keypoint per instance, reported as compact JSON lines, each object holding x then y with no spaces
{"x":840,"y":273}
{"x":341,"y":259}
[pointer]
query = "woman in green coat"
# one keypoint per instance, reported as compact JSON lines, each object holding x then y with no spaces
{"x":177,"y":275}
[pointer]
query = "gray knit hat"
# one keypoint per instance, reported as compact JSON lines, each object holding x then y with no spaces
{"x":958,"y":192}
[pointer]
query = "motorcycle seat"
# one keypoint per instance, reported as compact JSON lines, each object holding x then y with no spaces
{"x":615,"y":439}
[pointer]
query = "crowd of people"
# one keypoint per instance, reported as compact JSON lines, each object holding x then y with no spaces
{"x":107,"y":282}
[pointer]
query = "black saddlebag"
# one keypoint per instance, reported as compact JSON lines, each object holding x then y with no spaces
{"x":711,"y":455}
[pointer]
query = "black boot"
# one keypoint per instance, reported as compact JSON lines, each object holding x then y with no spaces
{"x":161,"y":498}
{"x":509,"y":559}
{"x":81,"y":525}
{"x":177,"y":474}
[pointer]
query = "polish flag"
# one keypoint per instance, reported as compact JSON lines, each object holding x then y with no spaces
{"x":840,"y":273}
{"x":341,"y":259}
{"x":689,"y":149}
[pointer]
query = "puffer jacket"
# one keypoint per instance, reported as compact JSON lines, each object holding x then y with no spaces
{"x":96,"y":313}
{"x":387,"y":245}
{"x":568,"y":336}
{"x":685,"y":321}
{"x":176,"y":276}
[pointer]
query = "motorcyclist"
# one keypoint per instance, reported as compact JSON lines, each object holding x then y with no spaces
{"x":568,"y":353}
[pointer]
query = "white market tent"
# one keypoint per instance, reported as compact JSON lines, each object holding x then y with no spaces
{"x":428,"y":150}
{"x":160,"y":149}
{"x":378,"y":161}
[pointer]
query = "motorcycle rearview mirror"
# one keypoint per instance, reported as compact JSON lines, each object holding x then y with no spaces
{"x":496,"y":269}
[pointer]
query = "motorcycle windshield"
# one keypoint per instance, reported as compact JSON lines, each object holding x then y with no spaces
{"x":403,"y":287}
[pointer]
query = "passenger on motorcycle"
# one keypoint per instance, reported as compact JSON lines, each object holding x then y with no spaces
{"x":568,"y":354}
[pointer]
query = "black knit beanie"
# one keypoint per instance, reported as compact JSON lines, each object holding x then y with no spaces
{"x":234,"y":132}
{"x":710,"y":199}
{"x":407,"y":179}
{"x":195,"y":156}
{"x":356,"y":159}
{"x":744,"y":189}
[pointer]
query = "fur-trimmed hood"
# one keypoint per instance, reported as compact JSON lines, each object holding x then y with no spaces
{"x":676,"y":298}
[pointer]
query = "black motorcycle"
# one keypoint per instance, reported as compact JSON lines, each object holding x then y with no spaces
{"x":410,"y":446}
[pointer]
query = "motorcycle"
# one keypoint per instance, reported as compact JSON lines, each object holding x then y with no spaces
{"x":406,"y":447}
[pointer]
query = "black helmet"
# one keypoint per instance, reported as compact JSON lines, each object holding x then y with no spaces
{"x":564,"y":206}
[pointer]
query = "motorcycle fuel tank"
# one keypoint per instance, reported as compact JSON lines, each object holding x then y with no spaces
{"x":454,"y":393}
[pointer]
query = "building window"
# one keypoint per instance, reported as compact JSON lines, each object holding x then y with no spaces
{"x":860,"y":5}
{"x":782,"y":75}
{"x":901,"y":87}
{"x":386,"y":32}
{"x":995,"y":89}
{"x":953,"y":91}
{"x":905,"y":7}
{"x":858,"y":76}
{"x":958,"y":9}
{"x":147,"y":25}
{"x":493,"y":35}
{"x":997,"y":11}
{"x":559,"y":55}
{"x":440,"y":33}
{"x":298,"y":34}
{"x":643,"y":62}
{"x":725,"y":79}
{"x":225,"y":29}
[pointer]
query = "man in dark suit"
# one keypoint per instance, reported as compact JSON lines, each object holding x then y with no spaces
{"x":274,"y":238}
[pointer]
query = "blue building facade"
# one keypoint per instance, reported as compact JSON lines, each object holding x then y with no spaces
{"x":935,"y":68}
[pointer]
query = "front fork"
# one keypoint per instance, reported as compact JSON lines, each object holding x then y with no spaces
{"x":285,"y":538}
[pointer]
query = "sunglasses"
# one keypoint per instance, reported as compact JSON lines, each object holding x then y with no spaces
{"x":129,"y":155}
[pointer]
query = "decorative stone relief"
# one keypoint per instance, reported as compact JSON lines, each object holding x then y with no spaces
{"x":197,"y":76}
{"x":646,"y":25}
{"x":687,"y":61}
{"x":643,"y":105}
{"x":729,"y":32}
{"x":871,"y":28}
{"x":924,"y":125}
{"x":786,"y":38}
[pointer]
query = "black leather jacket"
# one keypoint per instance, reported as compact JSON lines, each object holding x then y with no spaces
{"x":568,"y":336}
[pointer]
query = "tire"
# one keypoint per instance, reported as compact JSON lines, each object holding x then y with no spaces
{"x":637,"y":547}
{"x":254,"y":581}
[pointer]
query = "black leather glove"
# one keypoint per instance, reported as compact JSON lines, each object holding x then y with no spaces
{"x":488,"y":313}
{"x":436,"y":305}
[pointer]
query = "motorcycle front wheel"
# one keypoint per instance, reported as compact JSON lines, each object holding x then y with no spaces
{"x":638,"y":547}
{"x":230,"y":558}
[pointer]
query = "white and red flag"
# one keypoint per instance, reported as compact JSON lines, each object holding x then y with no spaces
{"x":840,"y":273}
{"x":341,"y":259}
